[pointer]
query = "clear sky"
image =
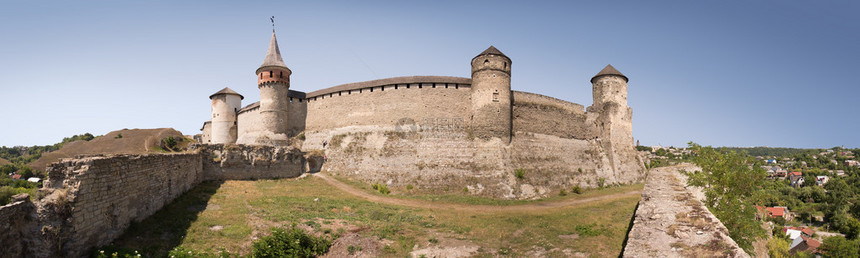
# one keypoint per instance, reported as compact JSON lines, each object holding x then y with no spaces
{"x":723,"y":73}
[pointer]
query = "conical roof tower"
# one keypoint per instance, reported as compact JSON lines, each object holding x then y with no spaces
{"x":609,"y":70}
{"x":273,"y":55}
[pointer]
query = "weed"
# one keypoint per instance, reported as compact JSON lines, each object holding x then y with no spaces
{"x":409,"y":187}
{"x":520,"y":173}
{"x":292,"y":242}
{"x":577,"y":189}
{"x":562,"y":193}
{"x":433,"y":240}
{"x":601,"y":182}
{"x":301,"y":136}
{"x":381,"y":188}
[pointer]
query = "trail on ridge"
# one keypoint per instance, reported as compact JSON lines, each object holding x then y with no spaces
{"x":468,"y":207}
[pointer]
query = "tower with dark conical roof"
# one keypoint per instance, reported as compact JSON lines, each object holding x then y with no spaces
{"x":273,"y":80}
{"x":615,"y":120}
{"x":491,"y":95}
{"x":225,"y":107}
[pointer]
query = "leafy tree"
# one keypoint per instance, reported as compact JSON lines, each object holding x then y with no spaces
{"x":778,"y":248}
{"x":729,"y":182}
{"x":838,"y":246}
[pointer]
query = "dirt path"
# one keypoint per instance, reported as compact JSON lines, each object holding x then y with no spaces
{"x":466,"y":207}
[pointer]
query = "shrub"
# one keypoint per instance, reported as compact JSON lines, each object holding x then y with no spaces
{"x":119,"y":135}
{"x":577,"y":189}
{"x":409,"y":187}
{"x":562,"y":193}
{"x":601,"y":182}
{"x":301,"y":136}
{"x":381,"y":188}
{"x":169,"y":143}
{"x":520,"y":173}
{"x":293,"y":242}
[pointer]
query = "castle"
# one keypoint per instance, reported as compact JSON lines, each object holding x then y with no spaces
{"x":441,"y":126}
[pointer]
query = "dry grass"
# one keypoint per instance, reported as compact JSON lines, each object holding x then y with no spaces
{"x":133,"y":141}
{"x":242,"y":211}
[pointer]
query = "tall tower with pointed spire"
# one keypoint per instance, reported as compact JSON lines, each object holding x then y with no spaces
{"x":491,"y":95}
{"x":273,"y":80}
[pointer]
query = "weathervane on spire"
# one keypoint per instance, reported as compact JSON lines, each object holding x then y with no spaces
{"x":273,"y":23}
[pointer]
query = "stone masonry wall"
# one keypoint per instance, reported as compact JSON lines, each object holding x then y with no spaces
{"x":671,"y":221}
{"x":17,"y":223}
{"x":103,"y":195}
{"x":533,"y":113}
{"x":243,"y":162}
{"x":387,"y":106}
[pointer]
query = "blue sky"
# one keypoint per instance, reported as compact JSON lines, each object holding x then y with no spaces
{"x":723,"y":73}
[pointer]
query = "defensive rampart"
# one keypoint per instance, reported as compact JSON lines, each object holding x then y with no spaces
{"x":247,"y":162}
{"x":102,"y":195}
{"x":90,"y":201}
{"x":671,"y":221}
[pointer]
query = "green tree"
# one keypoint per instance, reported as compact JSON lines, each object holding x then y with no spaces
{"x":777,"y":248}
{"x":838,"y":246}
{"x":729,"y":183}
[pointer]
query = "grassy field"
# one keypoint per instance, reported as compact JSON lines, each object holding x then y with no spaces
{"x":231,"y":215}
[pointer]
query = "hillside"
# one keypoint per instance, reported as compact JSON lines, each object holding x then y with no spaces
{"x":3,"y":162}
{"x":125,"y":141}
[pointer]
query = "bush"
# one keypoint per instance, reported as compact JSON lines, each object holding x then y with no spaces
{"x":169,"y":143}
{"x":577,"y":189}
{"x":601,"y":182}
{"x":292,"y":242}
{"x":409,"y":187}
{"x":381,"y":188}
{"x":301,"y":136}
{"x":119,"y":135}
{"x":562,"y":193}
{"x":520,"y":173}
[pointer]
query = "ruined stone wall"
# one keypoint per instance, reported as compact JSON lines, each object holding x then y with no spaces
{"x":102,"y":195}
{"x":387,"y":106}
{"x":249,"y":162}
{"x":534,"y":113}
{"x":671,"y":221}
{"x":17,"y":223}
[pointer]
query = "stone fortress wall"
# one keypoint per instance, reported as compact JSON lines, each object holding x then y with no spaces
{"x":90,"y":201}
{"x":439,"y":132}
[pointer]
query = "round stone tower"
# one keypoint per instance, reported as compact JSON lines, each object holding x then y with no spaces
{"x":610,"y":99}
{"x":225,"y":105}
{"x":491,"y":95}
{"x":273,"y":80}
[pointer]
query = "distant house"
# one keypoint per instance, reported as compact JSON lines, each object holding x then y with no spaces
{"x":801,"y":239}
{"x":840,"y":172}
{"x":774,"y":212}
{"x":771,"y":162}
{"x":776,"y":171}
{"x":821,"y":180}
{"x":796,"y":178}
{"x":851,"y":162}
{"x":34,"y":179}
{"x":16,"y":177}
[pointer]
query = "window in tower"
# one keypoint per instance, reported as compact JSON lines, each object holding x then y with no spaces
{"x":496,"y":96}
{"x":282,"y":75}
{"x":270,"y":74}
